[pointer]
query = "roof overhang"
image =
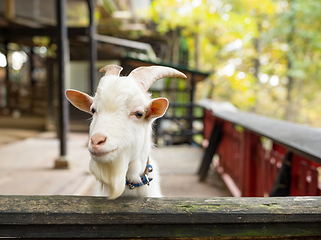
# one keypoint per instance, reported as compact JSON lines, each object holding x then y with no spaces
{"x":197,"y":75}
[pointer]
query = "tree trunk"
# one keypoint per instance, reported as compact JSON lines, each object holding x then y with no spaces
{"x":197,"y":50}
{"x":258,"y":48}
{"x":175,"y":52}
{"x":288,"y":115}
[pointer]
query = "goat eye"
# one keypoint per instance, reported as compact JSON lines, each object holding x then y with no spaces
{"x":138,"y":114}
{"x":93,"y":110}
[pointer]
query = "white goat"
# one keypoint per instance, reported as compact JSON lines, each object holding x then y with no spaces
{"x":121,"y":129}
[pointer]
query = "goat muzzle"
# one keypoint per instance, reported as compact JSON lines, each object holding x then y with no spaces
{"x":98,"y":140}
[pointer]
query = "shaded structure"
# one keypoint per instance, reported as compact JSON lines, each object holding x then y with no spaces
{"x":59,"y":53}
{"x":260,"y":156}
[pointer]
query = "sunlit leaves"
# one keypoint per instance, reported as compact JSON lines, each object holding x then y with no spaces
{"x":283,"y":36}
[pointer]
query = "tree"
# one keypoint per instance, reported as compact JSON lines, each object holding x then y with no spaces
{"x":297,"y":29}
{"x":265,"y":54}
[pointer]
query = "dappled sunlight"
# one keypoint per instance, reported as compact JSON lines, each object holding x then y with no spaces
{"x":277,"y":44}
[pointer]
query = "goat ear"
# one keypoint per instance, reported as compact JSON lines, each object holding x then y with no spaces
{"x":80,"y":100}
{"x":157,"y":108}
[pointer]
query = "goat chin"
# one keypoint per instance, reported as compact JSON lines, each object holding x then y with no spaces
{"x":111,"y":175}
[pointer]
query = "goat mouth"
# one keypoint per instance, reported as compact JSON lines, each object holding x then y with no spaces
{"x":101,"y":154}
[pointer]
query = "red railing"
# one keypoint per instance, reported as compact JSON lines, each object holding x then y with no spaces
{"x":289,"y":166}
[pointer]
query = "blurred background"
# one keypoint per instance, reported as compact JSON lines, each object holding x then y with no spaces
{"x":260,"y":56}
{"x":264,"y":55}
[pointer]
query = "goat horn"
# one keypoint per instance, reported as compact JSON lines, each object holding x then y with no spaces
{"x":146,"y":76}
{"x":111,"y":70}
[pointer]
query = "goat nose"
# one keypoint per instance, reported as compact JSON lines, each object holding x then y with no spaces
{"x":98,"y":140}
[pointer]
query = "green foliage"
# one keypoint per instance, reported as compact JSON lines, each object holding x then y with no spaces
{"x":265,"y":54}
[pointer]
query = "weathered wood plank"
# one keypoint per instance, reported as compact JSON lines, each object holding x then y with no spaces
{"x":98,"y":217}
{"x":154,"y":231}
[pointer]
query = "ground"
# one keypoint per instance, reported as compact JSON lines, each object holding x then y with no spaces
{"x":27,"y":160}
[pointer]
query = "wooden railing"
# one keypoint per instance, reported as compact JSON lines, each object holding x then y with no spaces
{"x":261,"y":156}
{"x":239,"y":139}
{"x":97,"y":217}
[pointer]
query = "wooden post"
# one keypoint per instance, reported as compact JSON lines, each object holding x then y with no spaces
{"x":214,"y":143}
{"x":93,"y":46}
{"x":282,"y":183}
{"x":313,"y":184}
{"x":62,"y":34}
{"x":302,"y":186}
{"x":50,"y":97}
{"x":7,"y":79}
{"x":157,"y":130}
{"x":32,"y":81}
{"x":249,"y":164}
{"x":191,"y":108}
{"x":10,"y":9}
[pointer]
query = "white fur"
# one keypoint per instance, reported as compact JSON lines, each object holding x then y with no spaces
{"x":115,"y":99}
{"x":120,"y":140}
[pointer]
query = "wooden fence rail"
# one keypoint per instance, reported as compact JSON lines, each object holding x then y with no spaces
{"x":290,"y":166}
{"x":97,"y":217}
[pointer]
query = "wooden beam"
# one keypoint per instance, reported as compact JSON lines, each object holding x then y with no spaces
{"x":98,"y":217}
{"x":18,"y":32}
{"x":93,"y":45}
{"x":299,"y":139}
{"x":63,"y":54}
{"x":210,"y":151}
{"x":10,"y":10}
